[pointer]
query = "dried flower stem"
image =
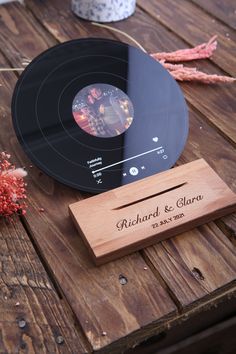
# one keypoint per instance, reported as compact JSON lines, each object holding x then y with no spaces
{"x":202,"y":51}
{"x":195,"y":75}
{"x":183,"y":73}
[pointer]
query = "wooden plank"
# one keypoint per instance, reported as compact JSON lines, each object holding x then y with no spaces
{"x":151,"y":210}
{"x":13,"y":29}
{"x":204,"y":141}
{"x":195,"y":26}
{"x":17,"y":22}
{"x":95,"y":294}
{"x":32,"y":317}
{"x":195,"y":264}
{"x":223,"y":10}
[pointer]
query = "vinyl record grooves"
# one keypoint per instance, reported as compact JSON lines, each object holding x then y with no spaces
{"x":96,"y":114}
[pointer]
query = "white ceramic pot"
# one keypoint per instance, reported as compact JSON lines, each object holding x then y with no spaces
{"x":103,"y":10}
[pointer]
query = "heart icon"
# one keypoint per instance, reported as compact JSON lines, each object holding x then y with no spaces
{"x":155,"y":139}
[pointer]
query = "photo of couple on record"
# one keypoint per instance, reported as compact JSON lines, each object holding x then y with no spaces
{"x":103,"y":110}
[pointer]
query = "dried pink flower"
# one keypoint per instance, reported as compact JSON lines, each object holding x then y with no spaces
{"x":195,"y":75}
{"x":12,"y":187}
{"x":183,"y":73}
{"x":202,"y":51}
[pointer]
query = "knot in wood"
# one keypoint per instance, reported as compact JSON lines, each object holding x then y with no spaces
{"x":197,"y":274}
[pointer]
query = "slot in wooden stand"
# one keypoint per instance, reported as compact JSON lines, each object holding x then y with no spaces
{"x":125,"y":219}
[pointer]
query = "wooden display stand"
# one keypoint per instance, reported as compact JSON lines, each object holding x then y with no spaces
{"x":125,"y":219}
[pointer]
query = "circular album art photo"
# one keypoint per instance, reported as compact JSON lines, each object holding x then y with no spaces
{"x":102,"y":110}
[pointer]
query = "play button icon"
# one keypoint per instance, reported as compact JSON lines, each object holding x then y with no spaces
{"x":133,"y":171}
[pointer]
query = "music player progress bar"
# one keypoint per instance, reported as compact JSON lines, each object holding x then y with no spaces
{"x":130,"y":158}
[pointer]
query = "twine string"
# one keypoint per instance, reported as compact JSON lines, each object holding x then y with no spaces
{"x":12,"y":69}
{"x":120,"y":32}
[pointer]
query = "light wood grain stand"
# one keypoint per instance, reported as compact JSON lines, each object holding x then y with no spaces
{"x":139,"y":214}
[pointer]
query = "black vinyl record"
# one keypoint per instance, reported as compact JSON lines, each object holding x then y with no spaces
{"x":96,"y":114}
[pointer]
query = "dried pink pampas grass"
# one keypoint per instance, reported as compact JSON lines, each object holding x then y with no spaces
{"x":183,"y":73}
{"x":202,"y":51}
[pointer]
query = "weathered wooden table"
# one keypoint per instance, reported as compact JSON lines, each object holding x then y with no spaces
{"x":52,"y":298}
